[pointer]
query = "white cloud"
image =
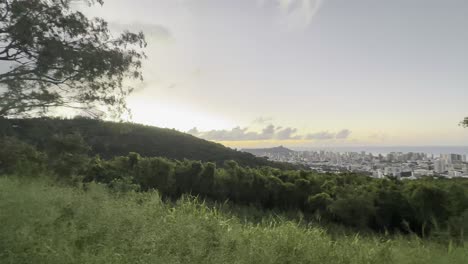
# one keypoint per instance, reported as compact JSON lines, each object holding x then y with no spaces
{"x":262,"y":120}
{"x":269,"y":132}
{"x":238,"y":134}
{"x":324,"y":135}
{"x":298,"y":13}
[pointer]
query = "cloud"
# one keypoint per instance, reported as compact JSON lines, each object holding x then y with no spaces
{"x":287,"y":133}
{"x":262,"y":120}
{"x":343,"y":134}
{"x":234,"y":134}
{"x":297,"y":13}
{"x":269,"y":132}
{"x":324,"y":135}
{"x":194,"y":131}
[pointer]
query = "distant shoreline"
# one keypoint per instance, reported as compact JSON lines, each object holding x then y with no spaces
{"x":436,"y":150}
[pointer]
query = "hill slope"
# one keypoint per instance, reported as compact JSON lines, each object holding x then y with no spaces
{"x":263,"y":151}
{"x":47,"y":223}
{"x":109,"y":139}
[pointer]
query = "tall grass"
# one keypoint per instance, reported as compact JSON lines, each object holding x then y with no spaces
{"x":43,"y":222}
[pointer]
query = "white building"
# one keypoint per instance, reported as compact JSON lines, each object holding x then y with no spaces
{"x":454,"y":174}
{"x":440,"y":166}
{"x":378,"y":174}
{"x":422,"y":172}
{"x":446,"y":157}
{"x":465,"y":168}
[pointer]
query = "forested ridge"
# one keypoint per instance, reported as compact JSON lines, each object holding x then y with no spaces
{"x":110,"y":139}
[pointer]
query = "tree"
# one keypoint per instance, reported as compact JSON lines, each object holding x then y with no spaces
{"x":353,"y":210}
{"x":318,"y":202}
{"x":429,"y":203}
{"x":464,"y":122}
{"x":68,"y":154}
{"x":57,"y":57}
{"x":21,"y":158}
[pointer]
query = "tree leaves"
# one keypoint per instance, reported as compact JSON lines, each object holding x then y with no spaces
{"x":54,"y":50}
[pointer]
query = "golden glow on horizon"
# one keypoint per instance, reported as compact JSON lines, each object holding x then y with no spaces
{"x":262,"y":143}
{"x":184,"y":117}
{"x":168,"y":115}
{"x":361,"y":138}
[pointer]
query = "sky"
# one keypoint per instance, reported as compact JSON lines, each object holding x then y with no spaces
{"x":259,"y":73}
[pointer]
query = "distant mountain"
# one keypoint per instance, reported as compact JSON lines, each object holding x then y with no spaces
{"x":263,"y":151}
{"x":109,"y":139}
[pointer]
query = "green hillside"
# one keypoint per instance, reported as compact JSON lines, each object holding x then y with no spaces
{"x":110,"y":139}
{"x":44,"y":222}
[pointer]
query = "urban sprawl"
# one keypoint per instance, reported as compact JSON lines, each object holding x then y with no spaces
{"x":396,"y":164}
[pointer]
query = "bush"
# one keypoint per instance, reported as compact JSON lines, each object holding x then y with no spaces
{"x":68,"y":154}
{"x":20,"y":158}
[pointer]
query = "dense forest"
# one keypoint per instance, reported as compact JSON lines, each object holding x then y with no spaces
{"x":110,"y":139}
{"x":427,"y":207}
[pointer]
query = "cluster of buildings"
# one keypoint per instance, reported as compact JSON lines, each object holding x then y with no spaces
{"x":395,"y":164}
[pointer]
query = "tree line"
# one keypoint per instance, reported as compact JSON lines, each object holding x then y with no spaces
{"x":425,"y":206}
{"x":110,"y":139}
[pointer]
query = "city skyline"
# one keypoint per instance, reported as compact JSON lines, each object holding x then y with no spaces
{"x":402,"y":165}
{"x":322,"y":73}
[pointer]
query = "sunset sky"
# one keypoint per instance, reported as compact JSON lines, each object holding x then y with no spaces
{"x":302,"y":72}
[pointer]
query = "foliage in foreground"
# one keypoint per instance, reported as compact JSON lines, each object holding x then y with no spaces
{"x":46,"y":223}
{"x":436,"y":208}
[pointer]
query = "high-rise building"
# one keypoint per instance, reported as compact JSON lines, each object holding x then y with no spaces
{"x":445,"y":157}
{"x":456,"y":158}
{"x":440,"y":166}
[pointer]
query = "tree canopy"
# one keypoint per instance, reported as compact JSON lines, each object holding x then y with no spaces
{"x":54,"y":56}
{"x":110,"y":139}
{"x":465,"y":122}
{"x":427,"y":206}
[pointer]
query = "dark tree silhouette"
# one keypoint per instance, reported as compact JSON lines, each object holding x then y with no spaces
{"x":54,"y":56}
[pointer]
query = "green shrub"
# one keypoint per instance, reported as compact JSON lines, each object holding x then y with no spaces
{"x":20,"y":158}
{"x":45,"y":223}
{"x":68,"y":154}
